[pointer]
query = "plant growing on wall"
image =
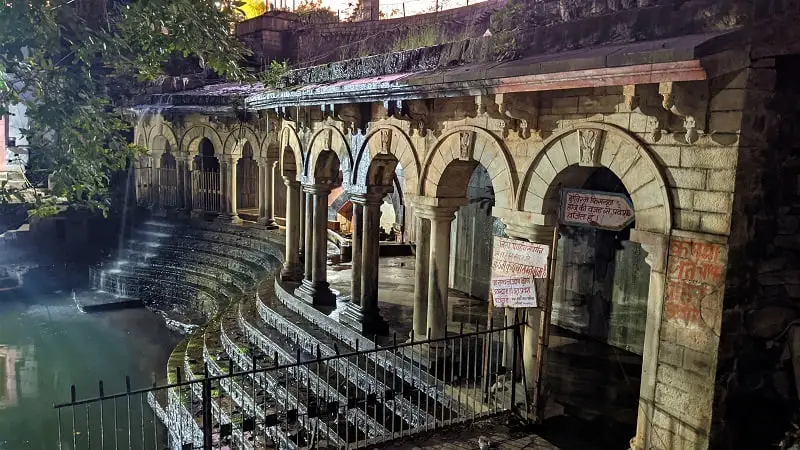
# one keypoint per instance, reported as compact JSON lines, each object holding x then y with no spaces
{"x":276,"y":70}
{"x":76,"y":63}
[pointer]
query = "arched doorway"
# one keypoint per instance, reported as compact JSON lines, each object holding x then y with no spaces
{"x":206,"y":179}
{"x":168,"y":178}
{"x":594,"y":361}
{"x":247,"y":180}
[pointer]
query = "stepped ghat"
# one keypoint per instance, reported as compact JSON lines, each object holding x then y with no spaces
{"x":278,"y":382}
{"x":443,"y":148}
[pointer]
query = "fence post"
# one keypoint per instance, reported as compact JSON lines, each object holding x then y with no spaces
{"x":514,"y":365}
{"x":208,"y":441}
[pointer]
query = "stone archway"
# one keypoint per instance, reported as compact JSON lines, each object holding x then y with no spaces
{"x":598,"y":145}
{"x":590,"y":146}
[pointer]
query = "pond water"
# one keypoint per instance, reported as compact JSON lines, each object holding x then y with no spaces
{"x":47,"y":345}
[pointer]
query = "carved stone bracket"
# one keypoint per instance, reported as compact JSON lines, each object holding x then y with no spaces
{"x":416,"y":112}
{"x":644,"y":99}
{"x":687,"y":100}
{"x":351,"y":115}
{"x":511,"y":112}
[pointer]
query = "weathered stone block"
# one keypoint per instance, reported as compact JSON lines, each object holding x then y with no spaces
{"x":721,"y":180}
{"x":708,"y":158}
{"x":670,"y":353}
{"x":557,"y":157}
{"x":715,"y":223}
{"x":682,"y":198}
{"x":638,"y":123}
{"x":762,"y":79}
{"x":667,"y":155}
{"x":686,"y":178}
{"x":687,"y":220}
{"x":701,"y":339}
{"x":637,"y":175}
{"x":690,"y":407}
{"x":545,"y":170}
{"x":710,"y":201}
{"x":565,"y":105}
{"x":648,"y":196}
{"x":697,"y":362}
{"x":726,"y":121}
{"x":728,"y":100}
{"x":618,"y":119}
{"x":598,"y":104}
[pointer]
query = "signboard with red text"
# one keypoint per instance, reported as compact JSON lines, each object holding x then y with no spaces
{"x":515,"y":265}
{"x":604,"y":210}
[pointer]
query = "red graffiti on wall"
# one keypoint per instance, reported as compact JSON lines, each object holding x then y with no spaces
{"x":695,"y":272}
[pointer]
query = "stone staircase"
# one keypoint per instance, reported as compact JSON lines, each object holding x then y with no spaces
{"x":220,"y":277}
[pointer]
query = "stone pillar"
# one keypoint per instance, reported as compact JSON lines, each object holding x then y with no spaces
{"x":307,"y":239}
{"x":156,"y":186}
{"x":421,"y":271}
{"x":265,"y":194}
{"x":231,"y":211}
{"x":315,"y":289}
{"x":358,"y":230}
{"x":302,"y":244}
{"x":188,"y":198}
{"x":439,"y":266}
{"x":291,"y":267}
{"x":364,"y":315}
{"x":181,"y":161}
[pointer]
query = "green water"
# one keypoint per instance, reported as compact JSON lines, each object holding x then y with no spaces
{"x":47,"y":345}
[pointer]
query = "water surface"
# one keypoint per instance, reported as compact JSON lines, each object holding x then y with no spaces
{"x":47,"y":345}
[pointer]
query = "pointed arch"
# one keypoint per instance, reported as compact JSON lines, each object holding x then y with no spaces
{"x":398,"y":144}
{"x":457,"y":153}
{"x":593,"y":144}
{"x":191,"y":140}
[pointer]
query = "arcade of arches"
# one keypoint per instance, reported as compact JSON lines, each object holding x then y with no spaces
{"x":626,"y":302}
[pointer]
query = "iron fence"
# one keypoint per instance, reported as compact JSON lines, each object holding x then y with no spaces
{"x":235,"y":396}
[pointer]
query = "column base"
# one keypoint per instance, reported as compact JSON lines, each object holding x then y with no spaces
{"x":268,"y":223}
{"x":230,"y":218}
{"x":368,"y":324}
{"x":291,"y":273}
{"x":316,"y":293}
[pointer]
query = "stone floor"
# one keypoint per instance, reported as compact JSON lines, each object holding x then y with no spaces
{"x":595,"y":386}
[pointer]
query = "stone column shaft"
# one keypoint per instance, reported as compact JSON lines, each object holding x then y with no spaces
{"x":421,"y":273}
{"x":261,"y":189}
{"x":291,"y":268}
{"x":266,"y":193}
{"x":363,"y":313}
{"x":302,"y":227}
{"x":439,"y":272}
{"x":308,"y":237}
{"x":370,"y":253}
{"x":355,"y":283}
{"x":320,"y":232}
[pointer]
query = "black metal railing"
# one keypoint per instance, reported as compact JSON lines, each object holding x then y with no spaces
{"x":262,"y":395}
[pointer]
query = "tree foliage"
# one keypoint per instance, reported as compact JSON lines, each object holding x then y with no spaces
{"x":77,"y":64}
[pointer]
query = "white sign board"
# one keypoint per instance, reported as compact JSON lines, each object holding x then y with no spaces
{"x":515,"y":264}
{"x":606,"y":210}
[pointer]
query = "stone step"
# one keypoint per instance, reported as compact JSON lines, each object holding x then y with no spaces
{"x":194,"y":370}
{"x":402,"y":415}
{"x":290,"y":393}
{"x":334,"y":385}
{"x":416,"y":379}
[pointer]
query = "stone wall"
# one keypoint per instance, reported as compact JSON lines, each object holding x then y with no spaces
{"x":756,"y":385}
{"x":280,"y":35}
